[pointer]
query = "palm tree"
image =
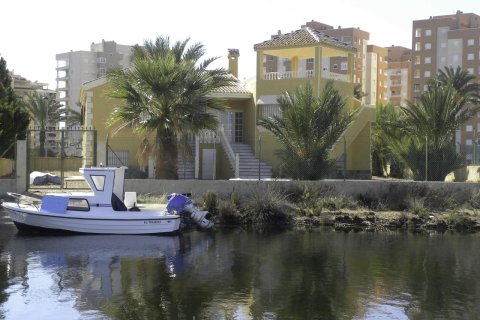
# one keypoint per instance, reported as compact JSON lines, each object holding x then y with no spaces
{"x":428,"y":128}
{"x":308,"y":129}
{"x":462,"y":81}
{"x":167,"y":91}
{"x":43,"y":110}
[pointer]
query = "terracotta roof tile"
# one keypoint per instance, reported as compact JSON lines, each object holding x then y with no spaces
{"x":304,"y":36}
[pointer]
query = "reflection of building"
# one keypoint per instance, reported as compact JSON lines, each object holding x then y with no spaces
{"x":449,"y":40}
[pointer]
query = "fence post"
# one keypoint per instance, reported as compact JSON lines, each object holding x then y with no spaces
{"x":22,"y":176}
{"x":106,"y":152}
{"x":94,"y":148}
{"x":426,"y":158}
{"x":62,"y":165}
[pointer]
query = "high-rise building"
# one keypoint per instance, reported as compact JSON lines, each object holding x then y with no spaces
{"x":399,"y":71}
{"x":76,"y":67}
{"x":448,"y":41}
{"x":376,"y":79}
{"x":371,"y":82}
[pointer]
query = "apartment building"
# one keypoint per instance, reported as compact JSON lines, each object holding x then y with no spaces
{"x":399,"y":72}
{"x":448,"y":40}
{"x":376,"y":78}
{"x":77,"y":67}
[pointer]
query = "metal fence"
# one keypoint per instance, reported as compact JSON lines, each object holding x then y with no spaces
{"x":55,"y":155}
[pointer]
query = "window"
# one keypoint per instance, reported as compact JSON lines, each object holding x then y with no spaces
{"x":426,"y":74}
{"x":416,"y":87}
{"x":78,"y":205}
{"x":456,"y":43}
{"x":418,"y":32}
{"x":428,"y":32}
{"x":470,"y":56}
{"x":425,"y":87}
{"x":418,"y":46}
{"x":428,"y":46}
{"x":99,"y":182}
{"x":468,"y":142}
{"x":443,"y":59}
{"x":102,"y":60}
{"x":335,"y":66}
{"x":470,"y":70}
{"x":469,"y":128}
{"x":455,"y":58}
{"x":470,"y":42}
{"x":428,"y":60}
{"x":416,"y":74}
{"x":417,"y":59}
{"x":344,"y":66}
{"x":443,"y":45}
{"x":468,"y":156}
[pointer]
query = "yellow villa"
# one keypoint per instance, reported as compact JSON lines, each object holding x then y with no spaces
{"x":240,"y":148}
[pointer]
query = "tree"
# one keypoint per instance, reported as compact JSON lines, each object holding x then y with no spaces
{"x":167,"y":91}
{"x":13,"y":119}
{"x":308,"y":129}
{"x":462,"y":81}
{"x":428,"y":127}
{"x":44,"y":111}
{"x":383,"y":138}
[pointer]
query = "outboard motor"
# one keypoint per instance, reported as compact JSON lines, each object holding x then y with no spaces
{"x":180,"y":203}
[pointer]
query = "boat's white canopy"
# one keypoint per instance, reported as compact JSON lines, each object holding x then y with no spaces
{"x":105,"y":181}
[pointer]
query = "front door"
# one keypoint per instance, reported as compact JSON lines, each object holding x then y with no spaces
{"x":233,"y":125}
{"x":208,"y":164}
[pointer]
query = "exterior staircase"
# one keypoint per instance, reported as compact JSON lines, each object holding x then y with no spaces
{"x":186,"y":161}
{"x":249,"y":164}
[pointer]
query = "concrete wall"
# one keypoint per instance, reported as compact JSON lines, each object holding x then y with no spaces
{"x":8,"y":185}
{"x":375,"y":189}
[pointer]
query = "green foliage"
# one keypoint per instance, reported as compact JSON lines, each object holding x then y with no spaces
{"x":416,"y":205}
{"x":474,"y":200}
{"x":210,"y":202}
{"x":308,"y":129}
{"x":383,"y":156}
{"x":167,"y":90}
{"x":427,"y":127}
{"x":266,"y":206}
{"x":13,"y":119}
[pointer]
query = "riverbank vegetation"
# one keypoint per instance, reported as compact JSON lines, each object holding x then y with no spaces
{"x":413,"y":208}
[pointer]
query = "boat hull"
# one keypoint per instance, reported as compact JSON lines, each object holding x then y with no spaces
{"x":28,"y":218}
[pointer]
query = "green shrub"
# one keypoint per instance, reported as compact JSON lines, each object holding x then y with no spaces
{"x":266,"y":206}
{"x":229,"y":214}
{"x":474,"y":200}
{"x":417,"y":206}
{"x":210,"y":202}
{"x":152,"y":198}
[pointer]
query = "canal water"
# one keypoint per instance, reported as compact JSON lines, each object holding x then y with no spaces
{"x":239,"y":274}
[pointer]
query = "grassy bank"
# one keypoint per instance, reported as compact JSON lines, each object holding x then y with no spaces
{"x":415,"y":210}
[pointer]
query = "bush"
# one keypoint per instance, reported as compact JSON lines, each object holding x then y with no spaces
{"x":266,"y":206}
{"x":417,"y":206}
{"x":229,"y":214}
{"x":210,"y":202}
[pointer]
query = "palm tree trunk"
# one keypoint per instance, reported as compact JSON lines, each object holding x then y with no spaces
{"x":166,"y":166}
{"x":43,"y":151}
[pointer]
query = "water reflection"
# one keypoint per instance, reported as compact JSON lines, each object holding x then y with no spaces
{"x":240,"y":274}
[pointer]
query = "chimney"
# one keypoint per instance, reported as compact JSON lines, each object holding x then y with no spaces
{"x":233,"y":55}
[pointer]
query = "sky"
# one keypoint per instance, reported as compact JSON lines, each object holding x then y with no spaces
{"x":32,"y":32}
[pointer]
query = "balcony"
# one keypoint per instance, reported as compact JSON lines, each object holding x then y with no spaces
{"x":289,"y":75}
{"x":304,"y":74}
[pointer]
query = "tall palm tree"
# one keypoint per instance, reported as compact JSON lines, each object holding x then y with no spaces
{"x":462,"y":81}
{"x":44,"y":111}
{"x":308,"y":129}
{"x":428,"y":126}
{"x":167,"y":91}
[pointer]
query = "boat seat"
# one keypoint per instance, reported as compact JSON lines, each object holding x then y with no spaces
{"x":117,"y":204}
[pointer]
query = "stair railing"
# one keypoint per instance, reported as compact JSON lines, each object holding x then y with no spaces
{"x":233,"y":158}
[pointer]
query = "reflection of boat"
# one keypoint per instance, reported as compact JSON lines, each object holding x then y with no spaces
{"x":101,"y":211}
{"x":92,"y":264}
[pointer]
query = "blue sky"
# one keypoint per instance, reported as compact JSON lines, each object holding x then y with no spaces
{"x":33,"y":31}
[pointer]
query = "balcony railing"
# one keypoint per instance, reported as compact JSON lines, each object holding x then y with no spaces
{"x":289,"y":75}
{"x":266,"y":111}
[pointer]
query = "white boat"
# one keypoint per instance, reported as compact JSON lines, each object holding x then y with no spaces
{"x":101,"y":211}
